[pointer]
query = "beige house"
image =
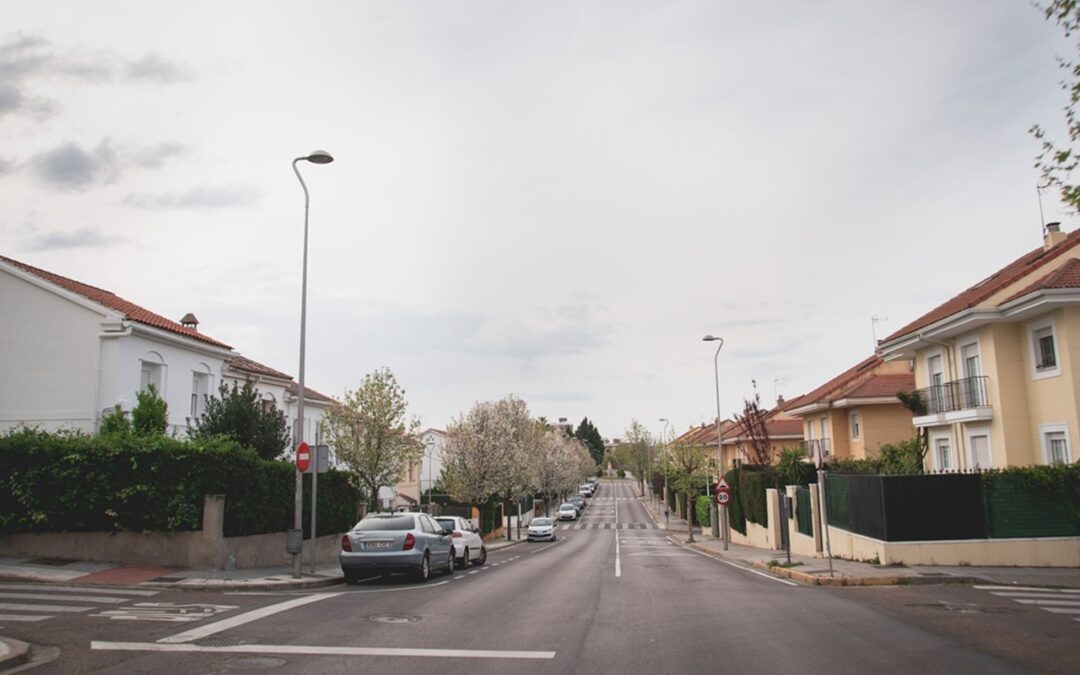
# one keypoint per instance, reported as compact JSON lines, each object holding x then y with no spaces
{"x":998,"y":366}
{"x":784,"y":432}
{"x":856,"y":412}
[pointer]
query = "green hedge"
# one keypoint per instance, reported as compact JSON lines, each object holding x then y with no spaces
{"x":702,"y":507}
{"x":1033,"y":501}
{"x":75,"y":483}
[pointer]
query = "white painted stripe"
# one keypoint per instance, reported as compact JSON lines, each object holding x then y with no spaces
{"x":745,"y":569}
{"x":1026,"y":594}
{"x":1062,"y":610}
{"x":246,"y":617}
{"x":42,"y":608}
{"x":23,"y":617}
{"x":1010,"y":588}
{"x":74,"y":589}
{"x":65,"y":598}
{"x":618,"y":557}
{"x":319,"y":651}
{"x":1063,"y":603}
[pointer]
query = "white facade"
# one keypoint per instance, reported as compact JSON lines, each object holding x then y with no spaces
{"x":431,"y":465}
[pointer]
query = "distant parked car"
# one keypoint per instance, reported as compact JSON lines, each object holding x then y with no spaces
{"x":578,"y":501}
{"x":568,"y":511}
{"x":586,"y":490}
{"x":541,"y":529}
{"x":388,"y":543}
{"x":468,"y":546}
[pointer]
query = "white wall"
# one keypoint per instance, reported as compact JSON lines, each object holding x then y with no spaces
{"x":431,"y":465}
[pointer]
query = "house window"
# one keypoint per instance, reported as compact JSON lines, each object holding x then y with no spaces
{"x":856,"y":425}
{"x":200,"y":387}
{"x":935,"y":367}
{"x":151,"y":375}
{"x":1055,"y":441}
{"x":943,"y":451}
{"x":979,"y":451}
{"x":1044,"y":349}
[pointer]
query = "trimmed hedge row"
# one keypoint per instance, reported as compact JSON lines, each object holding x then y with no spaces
{"x":76,"y":483}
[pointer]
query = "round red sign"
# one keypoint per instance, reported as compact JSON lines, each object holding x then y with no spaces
{"x":723,"y":498}
{"x":303,"y":457}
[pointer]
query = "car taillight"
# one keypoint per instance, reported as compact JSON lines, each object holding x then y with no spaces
{"x":346,"y":545}
{"x":456,"y":535}
{"x":410,"y":541}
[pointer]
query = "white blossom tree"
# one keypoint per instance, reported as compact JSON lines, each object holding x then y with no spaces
{"x":371,"y":434}
{"x":556,"y":465}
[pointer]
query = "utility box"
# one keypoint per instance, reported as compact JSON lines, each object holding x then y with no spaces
{"x":294,"y":541}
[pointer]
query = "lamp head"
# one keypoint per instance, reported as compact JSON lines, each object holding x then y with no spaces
{"x":320,"y":157}
{"x":710,"y":338}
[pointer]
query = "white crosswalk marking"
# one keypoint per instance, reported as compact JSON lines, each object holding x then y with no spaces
{"x":29,"y":603}
{"x":1055,"y":600}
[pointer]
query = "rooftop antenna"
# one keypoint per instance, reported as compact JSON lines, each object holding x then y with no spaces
{"x":775,"y":387}
{"x":874,"y":321}
{"x":1042,"y":217}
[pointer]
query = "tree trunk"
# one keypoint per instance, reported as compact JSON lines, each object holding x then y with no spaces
{"x":506,"y":507}
{"x":689,"y":518}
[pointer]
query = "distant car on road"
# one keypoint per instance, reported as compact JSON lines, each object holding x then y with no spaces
{"x":468,"y":546}
{"x":388,"y":543}
{"x":586,"y":490}
{"x":542,"y":529}
{"x":568,"y":511}
{"x":578,"y":501}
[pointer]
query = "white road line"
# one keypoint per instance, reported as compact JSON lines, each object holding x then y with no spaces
{"x":1062,"y":610}
{"x":618,"y":557}
{"x":746,"y":569}
{"x":246,"y":617}
{"x":23,"y":617}
{"x":1064,"y":603}
{"x":1011,"y":588}
{"x":66,"y":598}
{"x":1027,"y":594}
{"x":319,"y":651}
{"x":74,"y":589}
{"x":42,"y":608}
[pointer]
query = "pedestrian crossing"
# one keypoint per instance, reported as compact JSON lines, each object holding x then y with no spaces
{"x":1065,"y":601}
{"x":33,"y":603}
{"x":608,"y":526}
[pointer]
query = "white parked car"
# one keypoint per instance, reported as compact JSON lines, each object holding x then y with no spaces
{"x":468,"y":546}
{"x":541,"y":529}
{"x":568,"y":512}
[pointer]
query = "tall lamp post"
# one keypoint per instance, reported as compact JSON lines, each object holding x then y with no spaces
{"x":663,"y":437}
{"x":430,"y":487}
{"x":316,"y":157}
{"x":722,"y":510}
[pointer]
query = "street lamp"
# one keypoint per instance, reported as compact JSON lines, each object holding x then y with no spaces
{"x":430,"y":454}
{"x":316,"y":157}
{"x":722,"y":511}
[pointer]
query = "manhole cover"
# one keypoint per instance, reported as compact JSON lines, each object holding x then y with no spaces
{"x":251,"y":663}
{"x":393,"y":618}
{"x":51,"y":562}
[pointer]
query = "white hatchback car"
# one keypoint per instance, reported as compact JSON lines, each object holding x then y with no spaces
{"x":568,"y":512}
{"x":468,"y":546}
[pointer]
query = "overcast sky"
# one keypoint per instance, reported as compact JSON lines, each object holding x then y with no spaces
{"x":550,"y":199}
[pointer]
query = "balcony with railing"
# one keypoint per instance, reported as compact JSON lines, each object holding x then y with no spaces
{"x":956,"y":401}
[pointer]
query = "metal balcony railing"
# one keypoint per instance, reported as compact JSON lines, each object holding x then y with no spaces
{"x":813,"y":444}
{"x":956,"y":395}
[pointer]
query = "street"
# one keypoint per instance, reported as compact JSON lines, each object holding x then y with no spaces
{"x":612,"y":595}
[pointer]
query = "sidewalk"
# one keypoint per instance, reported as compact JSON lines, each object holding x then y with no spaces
{"x":815,"y":571}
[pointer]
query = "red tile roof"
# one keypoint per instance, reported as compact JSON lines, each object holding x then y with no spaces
{"x":246,"y":365}
{"x":1066,"y":276}
{"x":776,"y":428}
{"x":883,"y":385}
{"x":978,"y":293}
{"x":130,"y":310}
{"x":835,"y":384}
{"x":309,"y":393}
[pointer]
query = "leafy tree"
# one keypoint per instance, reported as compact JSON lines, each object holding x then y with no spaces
{"x":590,"y":436}
{"x":1056,"y":163}
{"x":371,"y":434}
{"x":150,"y":416}
{"x":556,"y":464}
{"x":115,"y":422}
{"x":239,"y":414}
{"x":635,"y":452}
{"x":689,"y":474}
{"x":753,"y":424}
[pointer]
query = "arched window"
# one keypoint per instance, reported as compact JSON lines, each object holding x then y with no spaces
{"x":152,"y":366}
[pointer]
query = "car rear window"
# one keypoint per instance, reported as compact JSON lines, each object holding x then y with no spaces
{"x":447,"y":524}
{"x":381,"y":523}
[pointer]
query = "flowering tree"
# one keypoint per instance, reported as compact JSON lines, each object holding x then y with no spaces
{"x":371,"y":434}
{"x":556,"y":464}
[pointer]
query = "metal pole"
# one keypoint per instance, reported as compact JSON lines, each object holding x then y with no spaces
{"x":298,"y":517}
{"x":722,"y":510}
{"x":822,"y":475}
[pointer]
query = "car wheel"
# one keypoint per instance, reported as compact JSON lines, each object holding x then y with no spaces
{"x":465,"y":558}
{"x":451,"y":563}
{"x":424,"y":573}
{"x":483,"y":556}
{"x":351,"y":577}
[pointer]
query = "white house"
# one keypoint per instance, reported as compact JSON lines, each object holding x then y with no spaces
{"x":70,"y":352}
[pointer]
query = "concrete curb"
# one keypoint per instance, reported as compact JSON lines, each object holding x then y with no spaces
{"x":13,"y":653}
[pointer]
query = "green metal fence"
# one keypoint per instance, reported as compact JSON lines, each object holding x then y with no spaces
{"x":1013,"y":510}
{"x":803,"y":514}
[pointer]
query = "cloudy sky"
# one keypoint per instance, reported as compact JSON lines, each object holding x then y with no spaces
{"x":550,"y":199}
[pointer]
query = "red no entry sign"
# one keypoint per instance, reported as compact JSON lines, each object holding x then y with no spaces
{"x":303,"y":457}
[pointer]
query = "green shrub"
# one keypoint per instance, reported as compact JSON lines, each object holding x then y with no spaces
{"x":736,"y":512}
{"x":702,"y":512}
{"x":753,"y":481}
{"x":1033,"y":501}
{"x":150,"y":416}
{"x":793,"y":468}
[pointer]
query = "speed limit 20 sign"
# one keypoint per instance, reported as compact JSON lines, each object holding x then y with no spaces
{"x":723,"y":498}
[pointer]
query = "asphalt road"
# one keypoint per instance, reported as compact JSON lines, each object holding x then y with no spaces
{"x":612,"y":595}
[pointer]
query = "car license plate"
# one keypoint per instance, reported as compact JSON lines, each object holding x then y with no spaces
{"x":376,"y":545}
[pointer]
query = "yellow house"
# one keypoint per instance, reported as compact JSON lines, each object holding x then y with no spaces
{"x":856,"y":412}
{"x":998,"y":366}
{"x":784,"y":431}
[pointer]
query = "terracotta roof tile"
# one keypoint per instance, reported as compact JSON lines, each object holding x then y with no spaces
{"x":130,"y":310}
{"x":246,"y":365}
{"x":1011,"y":273}
{"x":883,"y":385}
{"x":836,"y":384}
{"x":1066,"y":276}
{"x":309,"y":393}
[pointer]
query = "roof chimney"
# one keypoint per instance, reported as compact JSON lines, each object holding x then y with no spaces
{"x":189,"y":321}
{"x":1053,"y":236}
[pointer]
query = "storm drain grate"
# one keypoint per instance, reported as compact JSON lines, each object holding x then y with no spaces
{"x":221,"y":642}
{"x":52,"y":562}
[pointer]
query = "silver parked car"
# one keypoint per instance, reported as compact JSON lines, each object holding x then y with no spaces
{"x":542,"y":529}
{"x":468,"y":546}
{"x":388,"y":543}
{"x":568,"y":511}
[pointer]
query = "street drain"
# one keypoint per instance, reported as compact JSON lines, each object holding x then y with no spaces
{"x":393,"y":618}
{"x":967,"y":609}
{"x":221,"y":642}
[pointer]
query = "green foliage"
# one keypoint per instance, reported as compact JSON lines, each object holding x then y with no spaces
{"x":115,"y":422}
{"x":1056,"y":163}
{"x":1033,"y":501}
{"x":736,"y":512}
{"x":903,"y":458}
{"x":105,"y":483}
{"x":150,"y":416}
{"x":913,"y":401}
{"x":702,"y":510}
{"x":238,"y":413}
{"x":793,"y":468}
{"x":590,"y":436}
{"x":754,"y":481}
